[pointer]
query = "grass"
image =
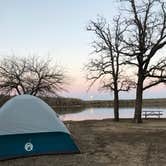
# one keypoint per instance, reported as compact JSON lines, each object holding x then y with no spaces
{"x":106,"y":143}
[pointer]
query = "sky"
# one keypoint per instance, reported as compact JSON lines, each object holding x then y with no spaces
{"x":58,"y":28}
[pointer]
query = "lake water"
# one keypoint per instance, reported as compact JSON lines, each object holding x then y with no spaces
{"x":104,"y":113}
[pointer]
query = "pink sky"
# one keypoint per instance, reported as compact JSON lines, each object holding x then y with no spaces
{"x":58,"y":28}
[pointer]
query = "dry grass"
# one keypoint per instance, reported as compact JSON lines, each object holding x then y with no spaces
{"x":106,"y":143}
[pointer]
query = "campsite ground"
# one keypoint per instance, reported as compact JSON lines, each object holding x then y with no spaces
{"x":106,"y":143}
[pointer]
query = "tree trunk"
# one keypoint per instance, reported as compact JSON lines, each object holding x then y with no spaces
{"x":138,"y":101}
{"x":18,"y":91}
{"x":116,"y":105}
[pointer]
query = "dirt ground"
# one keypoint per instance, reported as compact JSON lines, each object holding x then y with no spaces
{"x":106,"y":143}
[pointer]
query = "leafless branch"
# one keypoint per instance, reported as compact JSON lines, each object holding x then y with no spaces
{"x":31,"y":75}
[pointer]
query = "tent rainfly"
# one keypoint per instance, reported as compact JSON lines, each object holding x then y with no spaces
{"x":28,"y":126}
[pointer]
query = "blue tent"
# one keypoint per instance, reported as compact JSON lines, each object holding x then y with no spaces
{"x":28,"y":126}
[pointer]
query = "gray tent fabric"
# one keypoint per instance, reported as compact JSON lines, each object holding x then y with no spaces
{"x":28,"y":114}
{"x":29,"y":127}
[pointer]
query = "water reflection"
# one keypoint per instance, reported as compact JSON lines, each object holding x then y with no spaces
{"x":91,"y":110}
{"x":103,"y":113}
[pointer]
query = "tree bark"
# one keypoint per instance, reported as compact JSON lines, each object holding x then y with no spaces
{"x":116,"y":105}
{"x":18,"y":91}
{"x":138,"y":101}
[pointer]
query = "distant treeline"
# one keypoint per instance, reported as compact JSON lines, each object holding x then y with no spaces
{"x":72,"y":102}
{"x":127,"y":103}
{"x":78,"y":103}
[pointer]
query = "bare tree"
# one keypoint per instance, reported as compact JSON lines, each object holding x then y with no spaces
{"x":105,"y":64}
{"x":31,"y":75}
{"x":145,"y":36}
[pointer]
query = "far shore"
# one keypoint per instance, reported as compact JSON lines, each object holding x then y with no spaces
{"x":78,"y":103}
{"x":74,"y":103}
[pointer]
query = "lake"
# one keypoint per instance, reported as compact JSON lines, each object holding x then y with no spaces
{"x":104,"y":113}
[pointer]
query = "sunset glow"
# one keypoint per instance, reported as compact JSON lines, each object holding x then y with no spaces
{"x":58,"y":29}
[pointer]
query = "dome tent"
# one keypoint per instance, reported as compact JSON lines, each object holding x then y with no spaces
{"x":28,"y":126}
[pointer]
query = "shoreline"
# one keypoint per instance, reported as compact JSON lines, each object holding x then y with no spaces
{"x":121,"y":120}
{"x":62,"y":102}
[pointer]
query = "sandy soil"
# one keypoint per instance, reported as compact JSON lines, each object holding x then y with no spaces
{"x":106,"y":143}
